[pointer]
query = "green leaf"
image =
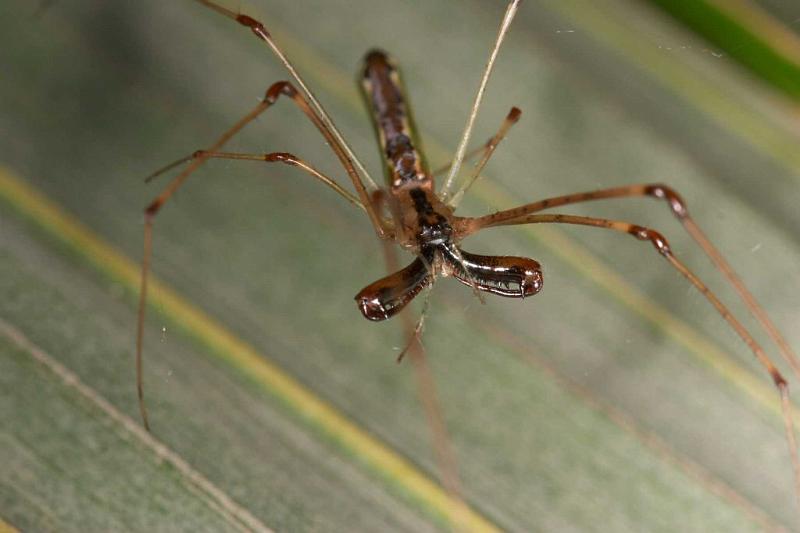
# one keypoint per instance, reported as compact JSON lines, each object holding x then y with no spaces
{"x":765,"y":45}
{"x":616,"y":400}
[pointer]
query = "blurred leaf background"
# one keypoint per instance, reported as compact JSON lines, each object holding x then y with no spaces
{"x":616,"y":400}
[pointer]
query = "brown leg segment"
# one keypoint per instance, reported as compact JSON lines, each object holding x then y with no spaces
{"x":335,"y":139}
{"x":273,"y":93}
{"x":426,"y":388}
{"x":150,"y":212}
{"x":487,"y":150}
{"x":662,"y":246}
{"x":679,"y":209}
{"x":475,"y":152}
{"x":273,"y":157}
{"x":491,"y":146}
{"x":289,"y":90}
{"x":426,"y":385}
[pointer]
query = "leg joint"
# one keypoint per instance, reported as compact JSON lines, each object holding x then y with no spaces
{"x":281,"y":157}
{"x":152,"y":209}
{"x":280,"y":88}
{"x":674,"y":200}
{"x":647,"y":234}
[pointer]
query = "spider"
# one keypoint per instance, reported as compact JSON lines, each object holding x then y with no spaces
{"x":410,"y":212}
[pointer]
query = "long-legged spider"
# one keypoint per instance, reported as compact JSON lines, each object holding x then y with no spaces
{"x":409,"y":212}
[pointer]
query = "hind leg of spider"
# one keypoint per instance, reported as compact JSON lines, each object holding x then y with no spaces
{"x":410,"y":285}
{"x":426,"y":389}
{"x":281,"y":88}
{"x":272,"y":157}
{"x":311,"y":106}
{"x":273,"y":93}
{"x":678,"y":207}
{"x":663,"y":248}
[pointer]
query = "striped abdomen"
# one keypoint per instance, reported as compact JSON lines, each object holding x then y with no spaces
{"x":392,"y":120}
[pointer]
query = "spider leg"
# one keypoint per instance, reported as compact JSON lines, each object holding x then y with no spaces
{"x":273,"y":157}
{"x":489,"y":148}
{"x":678,"y":207}
{"x":426,"y":385}
{"x":662,"y":246}
{"x":282,"y":88}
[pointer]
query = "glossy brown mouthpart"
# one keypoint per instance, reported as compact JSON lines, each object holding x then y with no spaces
{"x":388,"y":296}
{"x":512,"y":277}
